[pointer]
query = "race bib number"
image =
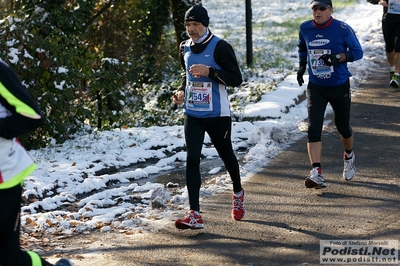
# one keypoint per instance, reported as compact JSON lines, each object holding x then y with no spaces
{"x":317,"y":65}
{"x":394,"y":7}
{"x":199,"y":96}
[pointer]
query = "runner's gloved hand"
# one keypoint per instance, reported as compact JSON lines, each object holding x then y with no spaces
{"x":329,"y":59}
{"x":300,"y":73}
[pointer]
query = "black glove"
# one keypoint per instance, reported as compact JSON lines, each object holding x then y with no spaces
{"x":329,"y":59}
{"x":300,"y":73}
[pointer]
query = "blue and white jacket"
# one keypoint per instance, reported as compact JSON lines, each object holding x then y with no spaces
{"x":333,"y":37}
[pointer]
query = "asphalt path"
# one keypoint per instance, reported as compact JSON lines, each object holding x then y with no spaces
{"x":285,"y":221}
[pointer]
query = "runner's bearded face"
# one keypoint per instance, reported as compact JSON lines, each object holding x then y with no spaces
{"x":195,"y":30}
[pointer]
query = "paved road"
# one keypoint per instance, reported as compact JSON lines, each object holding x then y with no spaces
{"x":285,"y":221}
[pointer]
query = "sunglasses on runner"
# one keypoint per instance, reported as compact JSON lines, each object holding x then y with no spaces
{"x":316,"y":8}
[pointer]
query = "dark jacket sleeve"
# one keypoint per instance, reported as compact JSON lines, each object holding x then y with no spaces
{"x":16,"y":99}
{"x":183,"y":68}
{"x":225,"y":57}
{"x":302,"y":47}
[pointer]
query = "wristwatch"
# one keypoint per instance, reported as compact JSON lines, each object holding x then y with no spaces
{"x":213,"y":72}
{"x":338,"y":57}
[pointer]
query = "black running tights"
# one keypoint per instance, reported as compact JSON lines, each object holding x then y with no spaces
{"x":10,"y":251}
{"x":219,"y":130}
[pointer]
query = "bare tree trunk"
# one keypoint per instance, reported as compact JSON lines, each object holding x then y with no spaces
{"x":178,"y":8}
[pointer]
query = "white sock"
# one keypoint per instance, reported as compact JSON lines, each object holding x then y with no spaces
{"x":318,"y":169}
{"x":238,"y":194}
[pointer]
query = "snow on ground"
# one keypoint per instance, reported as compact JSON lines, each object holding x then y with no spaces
{"x":71,"y":193}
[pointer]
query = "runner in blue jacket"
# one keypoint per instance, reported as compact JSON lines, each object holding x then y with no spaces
{"x":19,"y":114}
{"x":391,"y":35}
{"x":326,"y":45}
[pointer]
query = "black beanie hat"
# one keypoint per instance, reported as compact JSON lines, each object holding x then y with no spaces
{"x":197,"y":13}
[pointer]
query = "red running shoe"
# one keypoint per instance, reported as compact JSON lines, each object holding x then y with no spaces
{"x":238,"y":208}
{"x":191,"y":221}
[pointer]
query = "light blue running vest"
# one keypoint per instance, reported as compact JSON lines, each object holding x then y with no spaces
{"x":204,"y":97}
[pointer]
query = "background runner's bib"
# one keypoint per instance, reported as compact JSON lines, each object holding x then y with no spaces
{"x":317,"y":65}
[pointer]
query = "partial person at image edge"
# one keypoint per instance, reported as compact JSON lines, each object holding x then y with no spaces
{"x":391,"y":36}
{"x":19,"y":114}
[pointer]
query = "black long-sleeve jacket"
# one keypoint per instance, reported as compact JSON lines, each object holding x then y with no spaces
{"x":23,"y":113}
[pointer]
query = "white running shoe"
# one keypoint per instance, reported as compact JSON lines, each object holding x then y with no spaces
{"x":349,"y":170}
{"x":316,"y":180}
{"x":64,"y":262}
{"x":394,"y":82}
